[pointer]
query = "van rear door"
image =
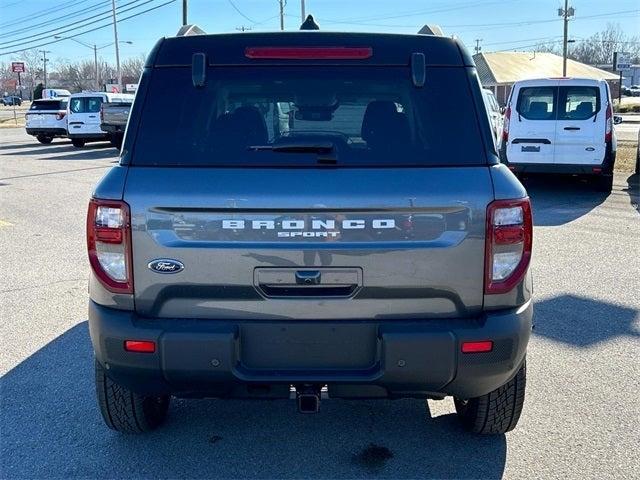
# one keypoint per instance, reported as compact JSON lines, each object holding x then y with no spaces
{"x":84,"y":114}
{"x":532,"y":126}
{"x":581,"y":124}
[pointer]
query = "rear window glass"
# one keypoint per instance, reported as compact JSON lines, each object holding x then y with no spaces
{"x":85,"y":104}
{"x":537,"y":103}
{"x":48,"y":105}
{"x":578,"y":103}
{"x":558,"y":103}
{"x":294,"y":116}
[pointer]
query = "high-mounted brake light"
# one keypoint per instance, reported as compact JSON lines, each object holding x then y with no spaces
{"x":505,"y":124}
{"x":608,"y":128}
{"x":308,"y":53}
{"x":508,"y":244}
{"x":109,"y":244}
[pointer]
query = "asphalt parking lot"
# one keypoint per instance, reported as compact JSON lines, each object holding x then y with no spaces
{"x":581,"y":413}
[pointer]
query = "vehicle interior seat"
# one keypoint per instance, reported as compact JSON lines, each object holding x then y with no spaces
{"x":384,"y":128}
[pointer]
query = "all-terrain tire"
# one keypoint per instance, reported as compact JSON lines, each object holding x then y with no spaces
{"x":44,"y":139}
{"x":77,"y":142}
{"x":126,"y":411}
{"x":498,"y":411}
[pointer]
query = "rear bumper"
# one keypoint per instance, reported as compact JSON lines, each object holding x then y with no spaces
{"x":113,"y":128}
{"x":89,"y":136}
{"x":364,"y":359}
{"x":49,"y":132}
{"x":604,"y":168}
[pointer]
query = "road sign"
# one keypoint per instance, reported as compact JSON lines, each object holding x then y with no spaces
{"x":131,"y":87}
{"x":621,"y":61}
{"x":17,"y":67}
{"x":112,"y":88}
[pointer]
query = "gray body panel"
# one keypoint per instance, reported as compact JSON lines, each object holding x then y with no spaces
{"x":434,"y":270}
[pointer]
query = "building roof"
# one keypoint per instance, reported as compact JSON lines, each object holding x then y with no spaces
{"x":499,"y":68}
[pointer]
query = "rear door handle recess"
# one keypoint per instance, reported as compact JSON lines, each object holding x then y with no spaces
{"x":572,"y":128}
{"x":308,"y":277}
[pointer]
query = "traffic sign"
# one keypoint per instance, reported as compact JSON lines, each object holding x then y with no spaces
{"x":17,"y":67}
{"x":621,"y":61}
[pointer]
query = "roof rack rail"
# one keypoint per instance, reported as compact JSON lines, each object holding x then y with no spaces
{"x":431,"y":29}
{"x":191,"y":29}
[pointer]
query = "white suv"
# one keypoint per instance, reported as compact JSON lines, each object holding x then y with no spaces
{"x":560,"y":125}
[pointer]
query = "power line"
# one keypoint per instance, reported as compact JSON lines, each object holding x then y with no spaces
{"x":240,"y":12}
{"x":109,"y":24}
{"x":54,"y":20}
{"x":57,"y":31}
{"x":42,"y":13}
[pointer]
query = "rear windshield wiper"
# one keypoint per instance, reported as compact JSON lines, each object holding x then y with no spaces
{"x":325,"y":150}
{"x":296,"y":147}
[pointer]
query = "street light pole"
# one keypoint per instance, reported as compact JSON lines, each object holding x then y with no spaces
{"x":115,"y":35}
{"x":302,"y":11}
{"x":95,"y":60}
{"x":281,"y":2}
{"x":184,"y":12}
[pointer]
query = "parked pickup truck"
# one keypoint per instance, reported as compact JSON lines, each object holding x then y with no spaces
{"x":113,"y":120}
{"x":370,"y":246}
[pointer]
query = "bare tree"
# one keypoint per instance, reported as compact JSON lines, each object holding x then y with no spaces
{"x":132,"y":68}
{"x":598,"y":49}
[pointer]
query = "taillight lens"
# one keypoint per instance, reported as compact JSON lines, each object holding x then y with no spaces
{"x":109,"y":244}
{"x":508,"y":244}
{"x":505,"y":124}
{"x":608,"y":129}
{"x":60,"y":115}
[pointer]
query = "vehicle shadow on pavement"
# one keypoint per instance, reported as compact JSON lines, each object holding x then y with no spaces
{"x":582,"y":321}
{"x":559,"y":200}
{"x":91,"y":151}
{"x":633,"y":189}
{"x":51,"y":427}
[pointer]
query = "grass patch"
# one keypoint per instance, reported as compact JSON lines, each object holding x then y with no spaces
{"x":626,"y":157}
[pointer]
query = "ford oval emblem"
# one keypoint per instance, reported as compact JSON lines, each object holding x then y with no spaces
{"x":165,"y":265}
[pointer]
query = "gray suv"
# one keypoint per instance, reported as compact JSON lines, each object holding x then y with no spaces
{"x":324,"y":216}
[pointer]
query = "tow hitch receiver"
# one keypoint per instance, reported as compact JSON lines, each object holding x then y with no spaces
{"x":308,"y":398}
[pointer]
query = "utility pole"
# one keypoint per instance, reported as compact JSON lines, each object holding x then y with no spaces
{"x":478,"y":47}
{"x":115,"y":35}
{"x":565,"y":13}
{"x":44,"y":63}
{"x":184,"y":12}
{"x":95,"y":60}
{"x":281,"y":2}
{"x":302,"y":11}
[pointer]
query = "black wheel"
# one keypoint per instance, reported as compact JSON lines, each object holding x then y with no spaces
{"x":44,"y":139}
{"x":496,"y":412}
{"x":126,"y":411}
{"x":603,"y":183}
{"x":77,"y":142}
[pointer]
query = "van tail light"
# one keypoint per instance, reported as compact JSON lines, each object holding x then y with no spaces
{"x":505,"y":125}
{"x":508,"y":244}
{"x":608,"y":128}
{"x":109,"y":244}
{"x":102,"y":113}
{"x":60,"y":115}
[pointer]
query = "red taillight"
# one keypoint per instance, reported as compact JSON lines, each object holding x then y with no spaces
{"x":305,"y":53}
{"x":60,"y":115}
{"x":608,"y":128}
{"x":102,"y":113}
{"x":109,"y":244}
{"x":505,"y":124}
{"x":508,"y":244}
{"x":477,"y":347}
{"x":140,"y":346}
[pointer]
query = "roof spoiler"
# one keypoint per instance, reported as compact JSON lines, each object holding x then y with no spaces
{"x":431,"y":29}
{"x":187,"y":30}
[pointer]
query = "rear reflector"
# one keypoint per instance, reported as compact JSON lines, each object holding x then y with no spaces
{"x":305,"y":53}
{"x":477,"y":347}
{"x":140,"y":346}
{"x":596,"y":170}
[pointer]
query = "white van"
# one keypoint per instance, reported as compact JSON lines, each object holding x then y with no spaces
{"x":46,"y":119}
{"x":84,"y":115}
{"x":560,"y":125}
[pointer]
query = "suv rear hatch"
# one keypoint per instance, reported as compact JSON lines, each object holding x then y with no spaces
{"x":306,"y":187}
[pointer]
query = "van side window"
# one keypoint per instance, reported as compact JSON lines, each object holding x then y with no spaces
{"x":578,"y":103}
{"x":537,"y":103}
